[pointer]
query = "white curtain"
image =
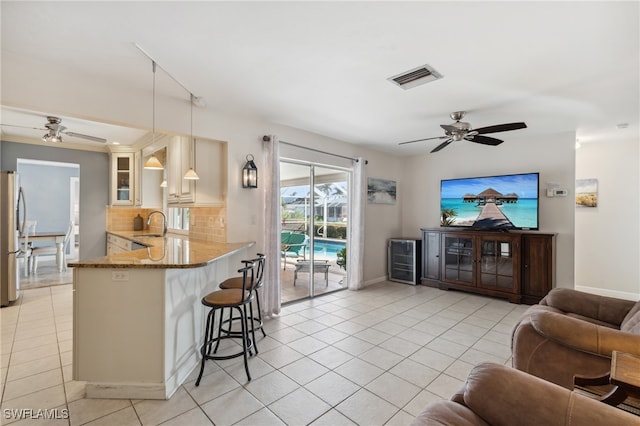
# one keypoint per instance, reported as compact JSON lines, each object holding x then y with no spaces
{"x":355,"y":252}
{"x":271,"y":288}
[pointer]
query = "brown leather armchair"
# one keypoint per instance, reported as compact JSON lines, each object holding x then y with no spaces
{"x":497,"y":395}
{"x":574,"y":333}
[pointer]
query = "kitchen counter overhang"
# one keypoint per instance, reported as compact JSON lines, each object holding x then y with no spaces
{"x":170,"y":251}
{"x":138,"y":318}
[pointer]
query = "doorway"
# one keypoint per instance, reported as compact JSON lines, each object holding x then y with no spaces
{"x":314,"y":203}
{"x":52,"y":192}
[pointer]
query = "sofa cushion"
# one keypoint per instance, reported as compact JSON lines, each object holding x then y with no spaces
{"x":631,"y":323}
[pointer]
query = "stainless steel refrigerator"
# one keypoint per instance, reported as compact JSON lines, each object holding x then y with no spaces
{"x":13,"y":212}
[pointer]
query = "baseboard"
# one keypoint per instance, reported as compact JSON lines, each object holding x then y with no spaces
{"x":127,"y":390}
{"x":609,"y":293}
{"x":375,"y":281}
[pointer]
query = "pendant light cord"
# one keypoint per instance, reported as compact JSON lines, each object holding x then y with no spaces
{"x":153,"y":137}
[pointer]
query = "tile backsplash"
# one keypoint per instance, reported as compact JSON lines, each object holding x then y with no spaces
{"x":206,"y":223}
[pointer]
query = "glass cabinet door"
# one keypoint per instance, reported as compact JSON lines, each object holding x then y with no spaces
{"x":458,"y":259}
{"x":124,"y":173}
{"x":122,"y":183}
{"x":402,"y":261}
{"x":498,"y":258}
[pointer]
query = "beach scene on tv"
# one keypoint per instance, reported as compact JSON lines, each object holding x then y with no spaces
{"x":495,"y":202}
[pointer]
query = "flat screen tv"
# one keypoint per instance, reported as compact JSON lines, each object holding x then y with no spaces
{"x":491,"y":202}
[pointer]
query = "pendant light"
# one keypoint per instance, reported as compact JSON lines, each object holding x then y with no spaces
{"x":153,"y":163}
{"x":191,"y":174}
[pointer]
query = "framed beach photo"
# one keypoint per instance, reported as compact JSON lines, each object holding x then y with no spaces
{"x":586,"y":192}
{"x":381,"y":191}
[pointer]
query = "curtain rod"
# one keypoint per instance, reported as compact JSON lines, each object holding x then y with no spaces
{"x":267,"y":138}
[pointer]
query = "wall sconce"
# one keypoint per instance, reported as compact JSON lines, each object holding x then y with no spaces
{"x":249,"y":173}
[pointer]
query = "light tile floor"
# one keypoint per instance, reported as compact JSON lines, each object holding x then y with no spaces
{"x":370,"y":357}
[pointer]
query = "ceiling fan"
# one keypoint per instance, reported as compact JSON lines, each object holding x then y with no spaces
{"x":55,"y":130}
{"x":461,"y":130}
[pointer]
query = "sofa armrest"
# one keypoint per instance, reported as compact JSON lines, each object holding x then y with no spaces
{"x":601,"y":308}
{"x":447,"y":413}
{"x":582,"y":335}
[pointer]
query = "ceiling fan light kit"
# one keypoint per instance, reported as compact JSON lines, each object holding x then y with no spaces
{"x":460,"y":130}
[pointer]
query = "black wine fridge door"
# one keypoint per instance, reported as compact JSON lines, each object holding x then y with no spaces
{"x":404,"y":260}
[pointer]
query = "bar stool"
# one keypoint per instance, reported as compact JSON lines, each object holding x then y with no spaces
{"x":236,"y":282}
{"x":235,"y":298}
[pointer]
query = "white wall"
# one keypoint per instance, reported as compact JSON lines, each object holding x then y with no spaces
{"x":607,"y":252}
{"x":552,"y":157}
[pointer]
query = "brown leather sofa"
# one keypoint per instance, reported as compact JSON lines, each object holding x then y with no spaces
{"x":497,"y":395}
{"x":574,"y":333}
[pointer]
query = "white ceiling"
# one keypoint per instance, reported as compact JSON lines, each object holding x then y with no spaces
{"x":323,"y":66}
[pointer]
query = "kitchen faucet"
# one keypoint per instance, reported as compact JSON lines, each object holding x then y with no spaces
{"x":164,"y":221}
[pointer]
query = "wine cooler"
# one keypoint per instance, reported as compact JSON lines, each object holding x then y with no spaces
{"x":404,"y":260}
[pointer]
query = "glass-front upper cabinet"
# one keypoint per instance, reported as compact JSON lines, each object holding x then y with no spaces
{"x":122,"y":178}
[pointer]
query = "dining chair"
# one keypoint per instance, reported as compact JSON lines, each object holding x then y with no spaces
{"x":26,"y":246}
{"x":52,"y":250}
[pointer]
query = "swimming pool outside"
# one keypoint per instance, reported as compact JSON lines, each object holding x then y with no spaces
{"x":326,"y":249}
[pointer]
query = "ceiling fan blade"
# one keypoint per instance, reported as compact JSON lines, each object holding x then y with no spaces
{"x":23,"y":127}
{"x":484,"y":140}
{"x":420,"y":140}
{"x":80,"y":135}
{"x":500,"y":128}
{"x":442,"y":145}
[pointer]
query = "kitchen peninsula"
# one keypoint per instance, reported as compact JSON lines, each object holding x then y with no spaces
{"x":137,"y":316}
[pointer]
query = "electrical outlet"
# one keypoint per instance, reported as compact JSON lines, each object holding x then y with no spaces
{"x":120,"y":275}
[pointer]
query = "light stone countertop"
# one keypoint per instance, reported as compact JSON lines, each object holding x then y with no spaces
{"x":170,"y":251}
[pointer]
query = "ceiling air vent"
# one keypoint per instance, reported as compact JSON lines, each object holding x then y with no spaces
{"x":415,"y":77}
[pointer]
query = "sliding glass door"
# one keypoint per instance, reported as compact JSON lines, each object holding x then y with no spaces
{"x":315,"y":209}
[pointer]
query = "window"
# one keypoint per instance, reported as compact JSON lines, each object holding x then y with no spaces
{"x":178,"y":219}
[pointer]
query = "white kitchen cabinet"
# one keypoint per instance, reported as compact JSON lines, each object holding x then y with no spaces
{"x":151,"y":193}
{"x":210,"y":164}
{"x":123,"y":179}
{"x":116,"y":244}
{"x":179,"y":190}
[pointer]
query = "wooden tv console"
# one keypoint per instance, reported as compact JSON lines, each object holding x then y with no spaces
{"x":516,"y":265}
